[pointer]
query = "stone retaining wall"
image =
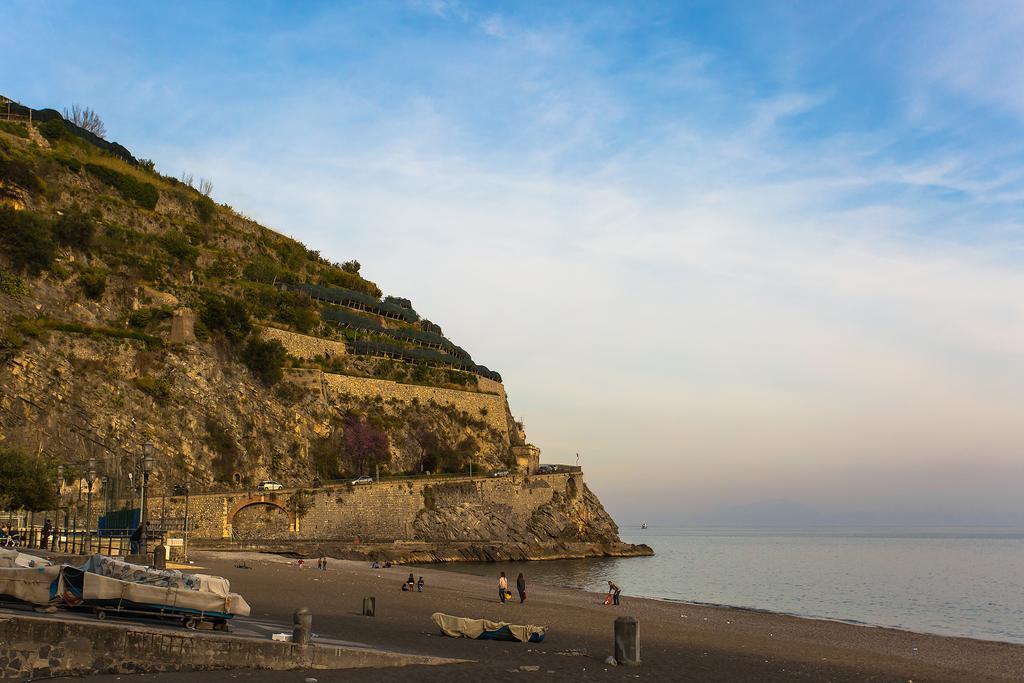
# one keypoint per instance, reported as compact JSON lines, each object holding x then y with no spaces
{"x":39,"y":647}
{"x":302,"y":345}
{"x":384,"y":511}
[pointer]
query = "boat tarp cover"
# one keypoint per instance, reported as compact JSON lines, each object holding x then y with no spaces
{"x":165,"y":578}
{"x":102,"y":579}
{"x":106,"y":589}
{"x":34,"y":585}
{"x":13,"y":558}
{"x":463,"y":627}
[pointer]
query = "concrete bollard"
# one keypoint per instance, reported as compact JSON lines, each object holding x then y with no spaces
{"x":369,"y":607}
{"x":302,"y":628}
{"x":160,"y":557}
{"x":627,"y":641}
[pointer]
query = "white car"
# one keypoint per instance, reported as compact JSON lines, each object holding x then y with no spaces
{"x":269,"y":485}
{"x":363,"y":480}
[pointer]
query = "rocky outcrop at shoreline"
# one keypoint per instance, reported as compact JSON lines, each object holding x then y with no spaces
{"x":433,"y":553}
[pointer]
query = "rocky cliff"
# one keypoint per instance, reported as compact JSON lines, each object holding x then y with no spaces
{"x":135,"y":312}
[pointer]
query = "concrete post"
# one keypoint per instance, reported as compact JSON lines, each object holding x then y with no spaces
{"x":302,"y":628}
{"x":369,"y":607}
{"x":627,"y":641}
{"x":160,"y":557}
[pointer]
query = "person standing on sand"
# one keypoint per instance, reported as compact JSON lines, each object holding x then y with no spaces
{"x":502,"y":586}
{"x":615,"y":591}
{"x":521,"y":587}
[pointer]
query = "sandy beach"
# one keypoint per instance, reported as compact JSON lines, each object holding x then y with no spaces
{"x":679,"y":641}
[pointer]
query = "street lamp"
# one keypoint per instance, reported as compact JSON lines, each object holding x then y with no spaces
{"x":184,"y":543}
{"x":90,"y":477}
{"x":56,"y":513}
{"x":147,"y":467}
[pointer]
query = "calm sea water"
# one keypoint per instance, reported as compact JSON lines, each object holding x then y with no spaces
{"x":950,"y":582}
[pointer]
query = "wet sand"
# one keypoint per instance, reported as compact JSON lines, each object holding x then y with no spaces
{"x":679,"y":642}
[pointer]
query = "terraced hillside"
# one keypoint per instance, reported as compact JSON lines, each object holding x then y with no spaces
{"x":134,"y":308}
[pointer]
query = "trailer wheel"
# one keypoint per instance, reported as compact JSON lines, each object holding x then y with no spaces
{"x":101,"y":614}
{"x":220,"y":626}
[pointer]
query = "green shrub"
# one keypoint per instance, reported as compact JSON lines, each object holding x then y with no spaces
{"x":18,"y":172}
{"x":225,"y":314}
{"x":53,"y":130}
{"x":144,"y":317}
{"x":266,"y":359}
{"x":94,"y":281}
{"x":178,"y":245}
{"x":10,"y":343}
{"x":262,"y":268}
{"x":205,"y":208}
{"x":157,"y":388}
{"x":71,"y":163}
{"x":14,"y":128}
{"x":289,"y":392}
{"x":12,"y":285}
{"x":26,"y":481}
{"x":27,"y":238}
{"x":75,"y":228}
{"x":143,"y":194}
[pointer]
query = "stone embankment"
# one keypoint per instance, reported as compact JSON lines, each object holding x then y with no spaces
{"x":515,"y":517}
{"x":42,"y":647}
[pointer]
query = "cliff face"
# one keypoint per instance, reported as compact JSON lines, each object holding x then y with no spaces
{"x":134,"y":309}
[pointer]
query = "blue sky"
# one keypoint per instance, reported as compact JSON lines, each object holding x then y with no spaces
{"x":765,"y":250}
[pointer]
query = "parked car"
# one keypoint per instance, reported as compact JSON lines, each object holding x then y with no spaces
{"x":546,"y":469}
{"x":500,"y":473}
{"x":269,"y":485}
{"x":363,"y":480}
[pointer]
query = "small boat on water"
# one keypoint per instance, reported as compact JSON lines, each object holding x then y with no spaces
{"x":643,"y":525}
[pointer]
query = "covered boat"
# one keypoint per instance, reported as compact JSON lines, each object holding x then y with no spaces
{"x":104,"y":585}
{"x":484,"y":629}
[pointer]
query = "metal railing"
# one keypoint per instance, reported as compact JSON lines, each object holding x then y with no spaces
{"x":76,"y":541}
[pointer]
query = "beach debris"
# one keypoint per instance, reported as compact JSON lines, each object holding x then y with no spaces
{"x":572,"y":652}
{"x":529,"y":667}
{"x":282,"y":637}
{"x":310,"y":680}
{"x":610,"y":661}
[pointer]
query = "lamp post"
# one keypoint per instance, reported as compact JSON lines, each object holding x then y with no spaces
{"x":60,"y":499}
{"x":90,"y":477}
{"x":184,"y":543}
{"x":147,"y":467}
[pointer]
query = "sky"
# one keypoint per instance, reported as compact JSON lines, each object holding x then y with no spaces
{"x":737,"y":255}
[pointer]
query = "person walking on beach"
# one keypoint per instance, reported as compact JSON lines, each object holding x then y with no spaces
{"x":521,"y":587}
{"x":502,"y":586}
{"x":419,"y":585}
{"x":615,"y":591}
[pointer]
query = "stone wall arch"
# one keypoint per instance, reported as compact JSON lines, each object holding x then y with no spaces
{"x":260,"y":516}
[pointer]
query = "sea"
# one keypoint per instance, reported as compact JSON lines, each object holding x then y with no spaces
{"x":958,"y":582}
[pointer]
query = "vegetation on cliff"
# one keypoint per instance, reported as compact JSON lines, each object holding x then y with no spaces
{"x":99,"y":251}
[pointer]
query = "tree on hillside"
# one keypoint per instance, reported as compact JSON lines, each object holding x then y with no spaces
{"x":26,"y":482}
{"x":86,"y":118}
{"x":364,"y":445}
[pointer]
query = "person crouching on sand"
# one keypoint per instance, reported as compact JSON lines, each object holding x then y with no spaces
{"x":615,"y":591}
{"x":521,"y":587}
{"x":502,"y":586}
